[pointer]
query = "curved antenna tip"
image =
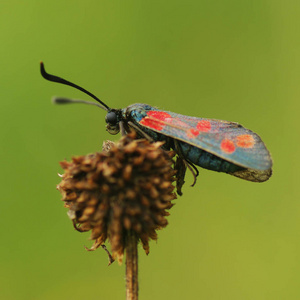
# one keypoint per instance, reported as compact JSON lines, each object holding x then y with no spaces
{"x":57,"y":79}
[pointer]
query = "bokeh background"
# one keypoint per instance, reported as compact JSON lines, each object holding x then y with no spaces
{"x":233,"y":60}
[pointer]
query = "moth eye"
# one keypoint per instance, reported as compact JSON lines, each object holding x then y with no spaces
{"x":111,"y":118}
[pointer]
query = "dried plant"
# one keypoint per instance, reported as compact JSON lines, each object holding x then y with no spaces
{"x":121,"y":194}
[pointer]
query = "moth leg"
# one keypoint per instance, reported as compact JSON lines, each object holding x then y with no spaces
{"x":122,"y":129}
{"x":180,"y":168}
{"x":145,"y":135}
{"x":194,"y":167}
{"x":188,"y":164}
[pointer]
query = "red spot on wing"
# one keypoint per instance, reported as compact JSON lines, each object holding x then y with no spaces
{"x":227,"y":146}
{"x":191,"y":133}
{"x":155,"y":119}
{"x":152,"y":124}
{"x":204,"y":126}
{"x":159,"y":115}
{"x":245,"y":141}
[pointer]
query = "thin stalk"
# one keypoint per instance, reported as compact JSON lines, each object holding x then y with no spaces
{"x":131,"y":267}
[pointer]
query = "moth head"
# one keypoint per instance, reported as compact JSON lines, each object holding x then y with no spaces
{"x":112,"y":121}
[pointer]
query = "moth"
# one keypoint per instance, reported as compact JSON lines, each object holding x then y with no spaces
{"x":212,"y":144}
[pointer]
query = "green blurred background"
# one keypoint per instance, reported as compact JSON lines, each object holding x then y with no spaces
{"x":232,"y":60}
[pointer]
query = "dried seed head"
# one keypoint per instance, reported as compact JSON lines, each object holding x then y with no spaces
{"x":127,"y":187}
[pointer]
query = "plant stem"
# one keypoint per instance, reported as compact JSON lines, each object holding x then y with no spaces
{"x":131,"y":267}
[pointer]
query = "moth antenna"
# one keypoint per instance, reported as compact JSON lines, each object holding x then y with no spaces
{"x":66,"y":82}
{"x":62,"y":100}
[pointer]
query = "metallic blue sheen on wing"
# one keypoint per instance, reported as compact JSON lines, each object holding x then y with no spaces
{"x":256,"y":157}
{"x":250,"y":161}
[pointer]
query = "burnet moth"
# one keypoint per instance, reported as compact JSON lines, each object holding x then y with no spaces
{"x":216,"y":145}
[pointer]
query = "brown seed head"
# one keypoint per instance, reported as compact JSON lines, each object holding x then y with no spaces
{"x":127,"y":187}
